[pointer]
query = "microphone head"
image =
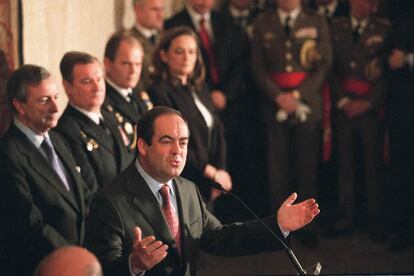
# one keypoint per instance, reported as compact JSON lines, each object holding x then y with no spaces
{"x":218,"y":186}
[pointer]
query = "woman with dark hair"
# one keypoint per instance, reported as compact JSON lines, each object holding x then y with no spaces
{"x":179,"y":83}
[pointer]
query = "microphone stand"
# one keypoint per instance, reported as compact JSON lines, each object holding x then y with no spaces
{"x":299,"y":269}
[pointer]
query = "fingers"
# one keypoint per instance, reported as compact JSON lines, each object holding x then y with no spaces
{"x":147,"y":252}
{"x":290,"y":199}
{"x":137,"y":235}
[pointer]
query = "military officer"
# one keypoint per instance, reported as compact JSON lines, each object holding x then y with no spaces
{"x":123,"y":65}
{"x":149,"y":21}
{"x":359,"y":96}
{"x":91,"y":132}
{"x":291,"y":54}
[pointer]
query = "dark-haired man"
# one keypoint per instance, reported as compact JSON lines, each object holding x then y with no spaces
{"x":123,"y":66}
{"x":43,"y":198}
{"x":359,"y":91}
{"x":150,"y":220}
{"x":92,"y":133}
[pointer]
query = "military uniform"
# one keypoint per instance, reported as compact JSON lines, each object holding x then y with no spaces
{"x":299,"y":62}
{"x":126,"y":113}
{"x":358,"y":76}
{"x":147,"y":67}
{"x":101,"y":147}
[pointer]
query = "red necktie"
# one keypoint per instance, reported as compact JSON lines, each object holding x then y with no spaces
{"x":170,"y":216}
{"x":206,"y":42}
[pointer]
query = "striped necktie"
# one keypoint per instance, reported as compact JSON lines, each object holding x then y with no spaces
{"x":170,"y":216}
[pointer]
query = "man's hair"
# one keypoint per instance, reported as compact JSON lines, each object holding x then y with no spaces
{"x":25,"y":75}
{"x":161,"y":70}
{"x":138,"y":2}
{"x":145,"y":127}
{"x":72,"y":58}
{"x":116,"y":39}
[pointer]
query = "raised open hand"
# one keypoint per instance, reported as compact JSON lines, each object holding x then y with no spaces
{"x":146,"y":252}
{"x":292,"y":217}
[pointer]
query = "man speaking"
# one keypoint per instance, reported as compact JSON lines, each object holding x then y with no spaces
{"x":152,"y":221}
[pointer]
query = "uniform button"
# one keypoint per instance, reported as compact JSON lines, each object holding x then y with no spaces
{"x":288,"y":43}
{"x":352,"y":64}
{"x":288,"y":56}
{"x":289,"y":68}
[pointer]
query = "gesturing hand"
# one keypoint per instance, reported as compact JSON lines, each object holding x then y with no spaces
{"x":291,"y":216}
{"x":146,"y":252}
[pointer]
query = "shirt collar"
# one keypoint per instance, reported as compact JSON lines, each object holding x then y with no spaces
{"x":355,"y":22}
{"x":124,"y":92}
{"x":238,"y":13}
{"x":293,"y":15}
{"x":153,"y":184}
{"x":95,"y":117}
{"x":145,"y":31}
{"x":195,"y":17}
{"x":36,"y":139}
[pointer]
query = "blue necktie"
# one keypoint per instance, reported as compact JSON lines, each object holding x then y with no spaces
{"x":54,"y":161}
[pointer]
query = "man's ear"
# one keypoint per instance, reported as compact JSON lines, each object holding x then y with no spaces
{"x":18,"y":105}
{"x":142,"y":146}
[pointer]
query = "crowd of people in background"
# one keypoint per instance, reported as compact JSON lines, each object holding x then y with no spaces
{"x":279,"y":96}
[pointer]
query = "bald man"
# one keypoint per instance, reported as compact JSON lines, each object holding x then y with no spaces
{"x":68,"y":261}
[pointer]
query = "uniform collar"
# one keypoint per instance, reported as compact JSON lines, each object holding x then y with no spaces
{"x":94,"y":116}
{"x":145,"y":31}
{"x":293,"y":15}
{"x":124,"y":92}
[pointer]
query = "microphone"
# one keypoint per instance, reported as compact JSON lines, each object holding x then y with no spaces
{"x":313,"y":270}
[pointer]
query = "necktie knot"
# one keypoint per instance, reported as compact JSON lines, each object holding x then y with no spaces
{"x":47,"y":147}
{"x":152,"y":39}
{"x":356,"y":33}
{"x":288,"y":20}
{"x":358,"y":27}
{"x":202,"y":21}
{"x":165,"y":194}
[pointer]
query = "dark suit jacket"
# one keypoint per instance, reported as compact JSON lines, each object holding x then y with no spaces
{"x":38,"y":213}
{"x":269,"y":55}
{"x":126,"y":113}
{"x":202,"y":148}
{"x":92,"y":146}
{"x":129,"y":202}
{"x":229,"y":49}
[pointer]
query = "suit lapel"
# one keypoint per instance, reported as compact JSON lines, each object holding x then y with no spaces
{"x":145,"y":201}
{"x":183,"y":200}
{"x":64,"y":154}
{"x":39,"y":163}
